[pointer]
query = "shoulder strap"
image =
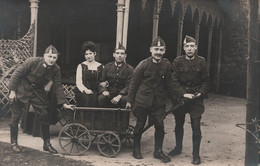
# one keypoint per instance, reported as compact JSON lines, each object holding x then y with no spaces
{"x":84,"y":69}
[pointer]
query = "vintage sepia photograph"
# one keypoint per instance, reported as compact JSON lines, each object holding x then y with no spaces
{"x":129,"y":82}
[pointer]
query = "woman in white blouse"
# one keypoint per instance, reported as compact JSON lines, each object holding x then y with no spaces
{"x":87,"y":77}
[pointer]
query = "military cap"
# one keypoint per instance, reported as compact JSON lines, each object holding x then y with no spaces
{"x":188,"y":39}
{"x":158,"y":42}
{"x":51,"y":49}
{"x":120,"y":46}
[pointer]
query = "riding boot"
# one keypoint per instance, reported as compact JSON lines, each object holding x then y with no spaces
{"x":14,"y":136}
{"x":137,"y":146}
{"x":178,"y":148}
{"x":158,"y":152}
{"x":46,"y":139}
{"x":196,"y":150}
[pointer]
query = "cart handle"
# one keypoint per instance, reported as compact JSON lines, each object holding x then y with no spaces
{"x":99,"y":109}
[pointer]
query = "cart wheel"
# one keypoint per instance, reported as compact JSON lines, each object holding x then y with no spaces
{"x":128,"y":136}
{"x":74,"y":139}
{"x":109,"y":144}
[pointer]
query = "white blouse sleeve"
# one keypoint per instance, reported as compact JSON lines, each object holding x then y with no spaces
{"x":79,"y":81}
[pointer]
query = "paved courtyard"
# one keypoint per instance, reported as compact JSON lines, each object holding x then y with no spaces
{"x":222,"y":142}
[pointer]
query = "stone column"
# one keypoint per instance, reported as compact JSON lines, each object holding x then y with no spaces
{"x":197,"y":33}
{"x":126,"y":18}
{"x":180,"y":29}
{"x":34,"y":19}
{"x":156,"y":12}
{"x":219,"y":59}
{"x":67,"y":43}
{"x":209,"y":46}
{"x":120,"y":21}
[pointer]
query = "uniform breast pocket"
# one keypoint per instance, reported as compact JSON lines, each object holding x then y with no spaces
{"x":196,"y":72}
{"x":163,"y":74}
{"x":182,"y":69}
{"x":148,"y":74}
{"x":34,"y":76}
{"x":110,"y":76}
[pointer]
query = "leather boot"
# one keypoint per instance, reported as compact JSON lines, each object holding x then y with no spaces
{"x":158,"y":153}
{"x":178,"y":148}
{"x":196,"y":150}
{"x":46,"y":139}
{"x":48,"y":147}
{"x":136,"y":150}
{"x":14,"y":136}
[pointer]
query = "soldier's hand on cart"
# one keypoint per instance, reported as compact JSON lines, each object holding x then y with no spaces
{"x":88,"y":91}
{"x":68,"y":106}
{"x":128,"y":105}
{"x":116,"y":99}
{"x":12,"y":96}
{"x":188,"y":95}
{"x":104,"y":84}
{"x":197,"y":95}
{"x":105,"y":93}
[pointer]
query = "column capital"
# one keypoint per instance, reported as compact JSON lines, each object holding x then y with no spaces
{"x":180,"y":21}
{"x":34,"y":3}
{"x":211,"y":26}
{"x":120,"y":7}
{"x":156,"y":15}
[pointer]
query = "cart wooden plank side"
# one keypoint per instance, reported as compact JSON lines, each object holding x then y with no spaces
{"x":106,"y":127}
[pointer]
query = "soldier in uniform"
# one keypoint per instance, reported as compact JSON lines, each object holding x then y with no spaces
{"x":115,"y":80}
{"x":147,"y":94}
{"x":190,"y":78}
{"x":30,"y":83}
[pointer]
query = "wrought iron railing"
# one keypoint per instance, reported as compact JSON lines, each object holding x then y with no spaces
{"x":256,"y":124}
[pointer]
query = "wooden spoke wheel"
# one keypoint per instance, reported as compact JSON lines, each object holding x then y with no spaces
{"x":109,"y":144}
{"x":74,"y":139}
{"x":127,"y":136}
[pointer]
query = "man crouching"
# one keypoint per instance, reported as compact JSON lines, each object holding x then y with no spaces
{"x":30,"y":83}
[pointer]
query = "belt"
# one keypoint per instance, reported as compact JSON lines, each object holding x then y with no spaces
{"x":189,"y":84}
{"x":32,"y":85}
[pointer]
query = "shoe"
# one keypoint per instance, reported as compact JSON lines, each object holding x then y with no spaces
{"x":16,"y":148}
{"x":196,"y":161}
{"x":47,"y":147}
{"x":161,"y":156}
{"x":137,"y":154}
{"x":174,"y":152}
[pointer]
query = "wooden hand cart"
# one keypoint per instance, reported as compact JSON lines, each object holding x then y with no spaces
{"x":107,"y":127}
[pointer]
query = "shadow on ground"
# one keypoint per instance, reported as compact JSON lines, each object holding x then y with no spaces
{"x":34,"y":157}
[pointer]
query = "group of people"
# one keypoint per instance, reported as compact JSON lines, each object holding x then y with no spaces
{"x":103,"y":86}
{"x":117,"y":84}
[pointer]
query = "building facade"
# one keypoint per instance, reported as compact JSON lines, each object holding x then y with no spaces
{"x":219,"y":26}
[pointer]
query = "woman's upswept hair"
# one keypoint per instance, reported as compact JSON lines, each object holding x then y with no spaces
{"x":88,"y":45}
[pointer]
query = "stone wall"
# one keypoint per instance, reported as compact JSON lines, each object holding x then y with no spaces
{"x":235,"y":48}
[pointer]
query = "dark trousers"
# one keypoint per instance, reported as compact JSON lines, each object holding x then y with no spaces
{"x":38,"y":105}
{"x":105,"y":101}
{"x":156,"y":115}
{"x":196,"y":132}
{"x":40,"y":108}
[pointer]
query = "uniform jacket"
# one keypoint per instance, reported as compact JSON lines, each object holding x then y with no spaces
{"x":190,"y":76}
{"x":35,"y":72}
{"x":150,"y":83}
{"x":118,"y":78}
